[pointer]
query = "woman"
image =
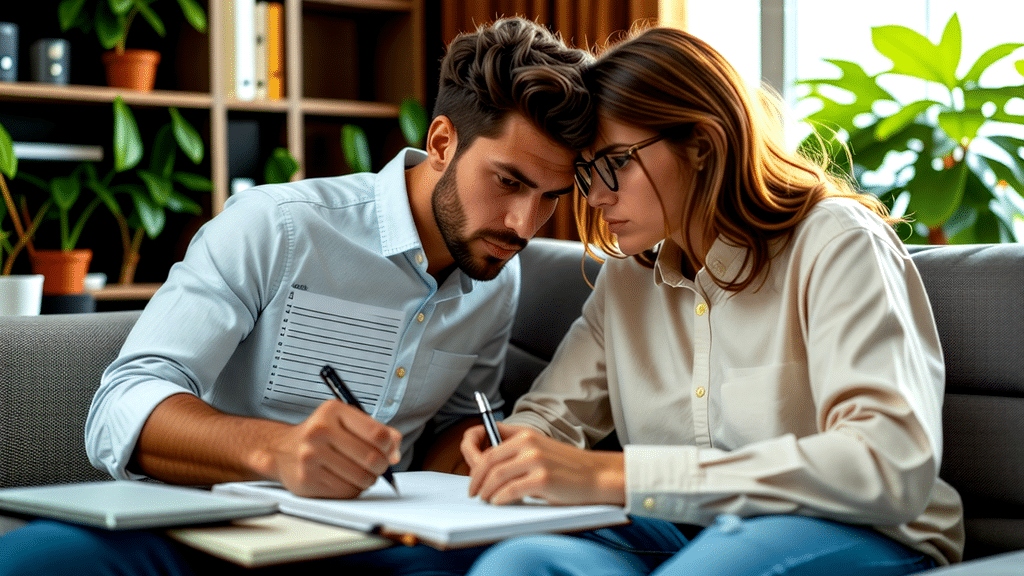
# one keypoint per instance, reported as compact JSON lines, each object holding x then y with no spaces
{"x":767,"y":357}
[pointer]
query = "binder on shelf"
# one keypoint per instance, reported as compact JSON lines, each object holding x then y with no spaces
{"x":275,"y":50}
{"x":239,"y":31}
{"x":260,"y":51}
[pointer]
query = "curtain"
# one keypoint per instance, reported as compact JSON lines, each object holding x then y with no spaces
{"x":581,"y":23}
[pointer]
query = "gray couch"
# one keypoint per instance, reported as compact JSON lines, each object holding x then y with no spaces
{"x":50,"y":365}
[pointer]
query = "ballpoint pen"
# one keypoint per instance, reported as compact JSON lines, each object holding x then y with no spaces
{"x":488,"y":416}
{"x":341,"y":392}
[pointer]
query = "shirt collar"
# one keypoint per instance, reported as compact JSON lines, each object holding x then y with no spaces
{"x":394,"y":215}
{"x":723,"y":259}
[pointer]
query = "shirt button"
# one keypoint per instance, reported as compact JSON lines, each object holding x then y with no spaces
{"x":400,"y":372}
{"x":649,"y":503}
{"x":420,"y":317}
{"x":701,"y":309}
{"x":699,"y":391}
{"x":419,"y":258}
{"x":718,"y":267}
{"x":390,"y":402}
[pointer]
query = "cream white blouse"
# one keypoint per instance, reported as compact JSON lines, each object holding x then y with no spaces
{"x":817,"y":391}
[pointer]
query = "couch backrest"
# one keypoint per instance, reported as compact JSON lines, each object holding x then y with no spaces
{"x":50,"y":366}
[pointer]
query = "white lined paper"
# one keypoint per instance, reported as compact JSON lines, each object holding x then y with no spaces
{"x":360,"y":341}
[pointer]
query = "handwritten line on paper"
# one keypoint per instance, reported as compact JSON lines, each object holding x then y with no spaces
{"x":359,"y":340}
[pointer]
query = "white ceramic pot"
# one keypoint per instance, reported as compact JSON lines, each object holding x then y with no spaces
{"x":21,"y":294}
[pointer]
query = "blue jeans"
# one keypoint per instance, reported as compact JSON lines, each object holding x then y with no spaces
{"x":762,"y":546}
{"x":53,"y":548}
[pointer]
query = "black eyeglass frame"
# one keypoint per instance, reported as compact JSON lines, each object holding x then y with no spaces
{"x":584,"y":168}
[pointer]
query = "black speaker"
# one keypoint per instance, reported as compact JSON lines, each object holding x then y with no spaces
{"x":8,"y":52}
{"x":51,"y":60}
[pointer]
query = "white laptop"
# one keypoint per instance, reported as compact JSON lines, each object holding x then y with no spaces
{"x":126,"y":504}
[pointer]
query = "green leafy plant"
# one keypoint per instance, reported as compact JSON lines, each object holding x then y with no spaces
{"x":412,"y":119}
{"x":112,"y":19}
{"x":956,"y":155}
{"x":280,"y":167}
{"x":150,"y":191}
{"x":9,"y":210}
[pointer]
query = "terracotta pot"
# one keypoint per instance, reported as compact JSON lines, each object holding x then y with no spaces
{"x":132,"y":69}
{"x":64,"y":271}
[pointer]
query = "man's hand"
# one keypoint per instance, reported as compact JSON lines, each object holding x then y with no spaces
{"x":530,"y":464}
{"x":337,"y":452}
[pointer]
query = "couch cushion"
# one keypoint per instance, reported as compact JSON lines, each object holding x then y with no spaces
{"x":52,"y":365}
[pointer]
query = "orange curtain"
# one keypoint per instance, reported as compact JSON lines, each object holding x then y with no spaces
{"x":581,"y":23}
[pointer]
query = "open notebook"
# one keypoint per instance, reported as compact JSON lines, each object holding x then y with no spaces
{"x":433,"y":508}
{"x":126,"y":504}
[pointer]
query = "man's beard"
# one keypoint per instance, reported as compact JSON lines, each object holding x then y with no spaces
{"x":451,"y":219}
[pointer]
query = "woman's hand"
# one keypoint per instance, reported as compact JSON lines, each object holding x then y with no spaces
{"x":530,"y":464}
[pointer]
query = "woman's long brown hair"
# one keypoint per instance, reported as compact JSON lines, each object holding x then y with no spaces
{"x":752,"y":190}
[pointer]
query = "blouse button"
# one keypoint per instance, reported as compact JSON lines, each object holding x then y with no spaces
{"x":718,"y":267}
{"x":420,"y":317}
{"x":699,"y":391}
{"x":649,"y":503}
{"x":701,"y":309}
{"x":419,"y":258}
{"x":400,"y":372}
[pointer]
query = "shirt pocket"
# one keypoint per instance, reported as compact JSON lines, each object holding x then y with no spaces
{"x":762,"y":403}
{"x":445,"y":373}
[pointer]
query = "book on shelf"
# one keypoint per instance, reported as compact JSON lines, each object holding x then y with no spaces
{"x":239,"y":34}
{"x":433,"y":508}
{"x":260,"y":51}
{"x":275,"y":50}
{"x":276,"y":539}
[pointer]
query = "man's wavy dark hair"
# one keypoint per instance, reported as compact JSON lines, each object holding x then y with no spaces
{"x":515,"y":65}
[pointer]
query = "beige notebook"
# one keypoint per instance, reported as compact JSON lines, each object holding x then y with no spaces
{"x":276,"y":539}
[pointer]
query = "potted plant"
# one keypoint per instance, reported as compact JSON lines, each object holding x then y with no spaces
{"x":148,"y":192}
{"x":958,"y":167}
{"x":20,"y":294}
{"x":112,"y":20}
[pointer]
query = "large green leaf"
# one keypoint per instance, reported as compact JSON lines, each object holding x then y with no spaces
{"x":161,"y":156}
{"x":949,"y":48}
{"x":193,"y":182}
{"x":935,"y":194}
{"x":150,"y":16}
{"x":182,"y":204}
{"x":149,"y":213}
{"x":1014,"y":147}
{"x":961,"y":126}
{"x":69,"y":13}
{"x":65,"y":191}
{"x":110,"y":28}
{"x":8,"y":161}
{"x":914,"y":55}
{"x":127,"y":142}
{"x":413,"y":120}
{"x":194,"y":14}
{"x":280,"y":167}
{"x":120,"y":7}
{"x":355,"y":148}
{"x":159,"y":188}
{"x":188,"y":138}
{"x":990,"y":57}
{"x":901,"y":119}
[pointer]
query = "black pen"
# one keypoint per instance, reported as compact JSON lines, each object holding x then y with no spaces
{"x":488,"y":416}
{"x":341,"y":392}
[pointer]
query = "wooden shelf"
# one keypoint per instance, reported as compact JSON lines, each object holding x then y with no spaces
{"x":125,"y":291}
{"x":39,"y":92}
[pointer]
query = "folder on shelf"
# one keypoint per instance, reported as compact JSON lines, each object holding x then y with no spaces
{"x":255,"y":542}
{"x":275,"y":50}
{"x":260,"y":51}
{"x":433,"y":508}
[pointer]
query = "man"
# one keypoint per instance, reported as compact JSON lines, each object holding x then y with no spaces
{"x":217,"y":381}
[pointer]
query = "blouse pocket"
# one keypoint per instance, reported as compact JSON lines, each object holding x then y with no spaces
{"x":763,"y":403}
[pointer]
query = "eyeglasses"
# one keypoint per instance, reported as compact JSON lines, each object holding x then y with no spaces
{"x":606,"y":165}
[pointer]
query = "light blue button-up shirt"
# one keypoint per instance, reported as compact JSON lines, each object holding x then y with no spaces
{"x":216,"y":327}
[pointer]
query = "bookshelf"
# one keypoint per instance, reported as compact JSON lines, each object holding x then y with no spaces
{"x":345,"y":61}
